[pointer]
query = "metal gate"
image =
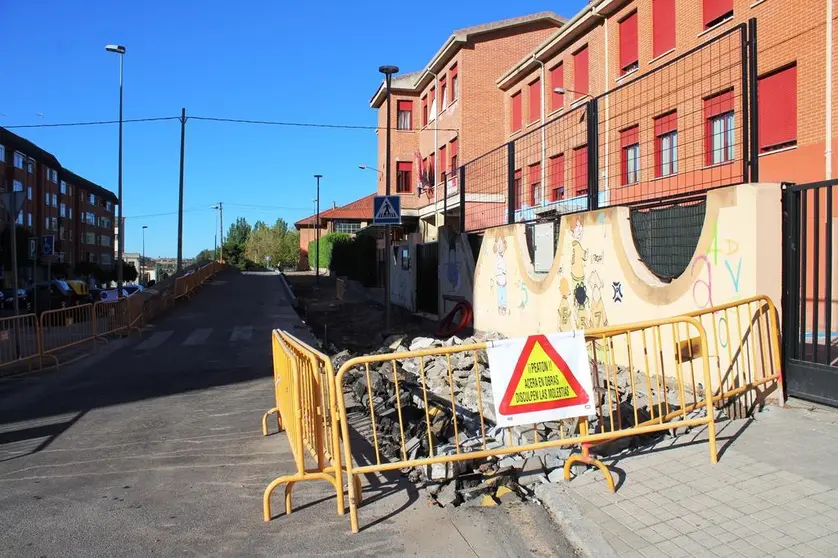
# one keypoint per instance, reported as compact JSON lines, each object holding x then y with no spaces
{"x":810,"y":295}
{"x":427,"y":282}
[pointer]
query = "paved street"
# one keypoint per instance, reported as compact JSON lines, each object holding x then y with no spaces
{"x":153,"y":446}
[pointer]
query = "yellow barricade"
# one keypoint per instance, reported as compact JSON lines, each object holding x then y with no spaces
{"x":745,"y":353}
{"x":20,"y":339}
{"x":67,"y":327}
{"x":181,"y":287}
{"x":110,"y":317}
{"x":305,"y":408}
{"x":135,"y":305}
{"x":659,"y":370}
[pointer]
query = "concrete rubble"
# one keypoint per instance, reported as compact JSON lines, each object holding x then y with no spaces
{"x":426,"y":387}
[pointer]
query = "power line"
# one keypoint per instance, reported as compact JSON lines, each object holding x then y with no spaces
{"x":91,"y":123}
{"x":267,"y":207}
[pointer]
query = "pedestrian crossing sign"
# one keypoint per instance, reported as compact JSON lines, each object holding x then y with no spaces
{"x":386,"y":210}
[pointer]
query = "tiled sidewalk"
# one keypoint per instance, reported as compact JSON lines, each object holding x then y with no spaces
{"x":774,"y":491}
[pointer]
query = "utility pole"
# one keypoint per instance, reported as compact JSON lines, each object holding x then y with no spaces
{"x":221,"y":230}
{"x":388,"y":72}
{"x":180,"y":191}
{"x":215,"y":247}
{"x":317,"y":232}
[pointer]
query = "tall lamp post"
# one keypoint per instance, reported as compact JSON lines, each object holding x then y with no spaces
{"x":142,"y":261}
{"x":317,"y":233}
{"x":388,"y":72}
{"x":215,"y":249}
{"x":120,"y":50}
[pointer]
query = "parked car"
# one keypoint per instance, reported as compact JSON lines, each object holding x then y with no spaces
{"x":9,"y":300}
{"x":51,"y":295}
{"x":80,"y":288}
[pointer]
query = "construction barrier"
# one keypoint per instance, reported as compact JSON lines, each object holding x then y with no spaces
{"x":111,"y":317}
{"x":67,"y":327}
{"x":306,"y":404}
{"x":662,"y":357}
{"x":745,"y":357}
{"x":20,"y":339}
{"x":136,"y":303}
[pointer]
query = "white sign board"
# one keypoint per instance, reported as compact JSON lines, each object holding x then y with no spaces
{"x":541,"y":378}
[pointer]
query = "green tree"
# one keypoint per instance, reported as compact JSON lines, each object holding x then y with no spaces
{"x":275,"y":242}
{"x":205,"y":254}
{"x":239,"y":231}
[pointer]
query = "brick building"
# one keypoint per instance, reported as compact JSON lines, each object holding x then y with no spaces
{"x":57,"y":203}
{"x":448,"y":112}
{"x":669,"y":80}
{"x":349,"y":218}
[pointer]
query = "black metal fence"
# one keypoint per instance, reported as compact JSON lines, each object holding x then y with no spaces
{"x":681,"y":129}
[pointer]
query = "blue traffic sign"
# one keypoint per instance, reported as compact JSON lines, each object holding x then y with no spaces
{"x":386,"y":210}
{"x":48,"y":246}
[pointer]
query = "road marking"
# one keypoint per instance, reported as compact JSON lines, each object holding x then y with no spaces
{"x":157,"y":338}
{"x":198,"y":336}
{"x":241,"y":333}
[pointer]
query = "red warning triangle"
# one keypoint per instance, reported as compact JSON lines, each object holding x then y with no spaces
{"x":541,"y":381}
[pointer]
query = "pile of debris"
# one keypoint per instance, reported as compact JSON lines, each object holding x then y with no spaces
{"x":431,"y":425}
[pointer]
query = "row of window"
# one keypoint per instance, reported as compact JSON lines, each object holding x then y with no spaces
{"x":449,"y":88}
{"x":448,"y":155}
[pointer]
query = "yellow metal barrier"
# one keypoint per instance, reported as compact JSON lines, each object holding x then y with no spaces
{"x":135,"y":304}
{"x":305,"y":408}
{"x":20,"y":339}
{"x":110,"y":317}
{"x":67,"y":327}
{"x":652,"y":352}
{"x":744,"y":343}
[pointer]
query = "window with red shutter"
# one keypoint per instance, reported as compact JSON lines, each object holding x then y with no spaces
{"x":403,"y":178}
{"x":425,"y":110}
{"x":630,"y":155}
{"x":535,"y":100}
{"x":777,"y":109}
{"x":442,"y":97}
{"x":535,"y":184}
{"x":432,"y":168}
{"x":404,"y":120}
{"x":516,"y":189}
{"x":716,"y":11}
{"x":580,"y":72}
{"x":442,"y":163}
{"x":516,"y":112}
{"x":557,"y":177}
{"x":663,"y":26}
{"x":455,"y":83}
{"x":628,"y":43}
{"x":556,"y":81}
{"x":432,"y":99}
{"x":454,"y":154}
{"x":666,"y":144}
{"x":580,"y":170}
{"x":719,"y":131}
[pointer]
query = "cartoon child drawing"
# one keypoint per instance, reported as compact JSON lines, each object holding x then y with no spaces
{"x":598,"y":317}
{"x":564,"y":305}
{"x":578,"y":257}
{"x":500,"y":275}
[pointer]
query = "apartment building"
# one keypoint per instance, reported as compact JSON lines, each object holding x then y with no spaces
{"x":56,"y":202}
{"x":670,"y":82}
{"x":449,"y":112}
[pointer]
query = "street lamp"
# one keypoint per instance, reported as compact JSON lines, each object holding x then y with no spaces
{"x":388,"y":72}
{"x":367,"y":167}
{"x":120,"y":50}
{"x":142,"y":261}
{"x":215,"y":250}
{"x":317,"y":232}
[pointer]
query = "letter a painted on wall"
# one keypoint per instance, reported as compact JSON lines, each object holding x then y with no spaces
{"x":541,"y":381}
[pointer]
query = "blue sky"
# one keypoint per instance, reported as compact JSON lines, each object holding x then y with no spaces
{"x":286,"y":61}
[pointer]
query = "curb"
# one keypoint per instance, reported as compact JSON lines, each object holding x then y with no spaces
{"x":585,"y":535}
{"x":289,"y":293}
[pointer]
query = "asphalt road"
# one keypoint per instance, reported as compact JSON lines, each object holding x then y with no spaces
{"x":153,"y":446}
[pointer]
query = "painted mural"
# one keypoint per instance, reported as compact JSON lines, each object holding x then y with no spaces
{"x":456,"y":268}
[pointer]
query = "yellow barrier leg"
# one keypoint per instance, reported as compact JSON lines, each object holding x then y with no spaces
{"x":266,"y":497}
{"x":265,"y":421}
{"x":358,"y":494}
{"x":354,"y":491}
{"x":288,"y":505}
{"x":586,"y":459}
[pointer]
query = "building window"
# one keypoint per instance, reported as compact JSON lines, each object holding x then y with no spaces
{"x":53,"y":176}
{"x":109,"y":206}
{"x":455,"y":83}
{"x":55,"y":200}
{"x":556,"y":82}
{"x":348,"y":227}
{"x":19,"y":219}
{"x":719,"y":137}
{"x":432,"y":168}
{"x":71,"y":235}
{"x":425,"y":110}
{"x":19,"y":158}
{"x":628,"y":43}
{"x":630,"y":158}
{"x":62,"y":210}
{"x":93,"y":257}
{"x":535,"y":184}
{"x":580,"y":170}
{"x":90,"y":218}
{"x":535,"y":100}
{"x":70,"y":213}
{"x":433,"y":102}
{"x":46,"y":199}
{"x":777,"y":109}
{"x":2,"y":153}
{"x":442,"y":90}
{"x":557,"y":177}
{"x":17,"y":185}
{"x":104,"y":222}
{"x":63,"y":188}
{"x":716,"y":11}
{"x":516,"y":189}
{"x":92,"y":199}
{"x":453,"y":153}
{"x":61,"y":232}
{"x":404,"y":120}
{"x":106,"y":259}
{"x":666,"y":144}
{"x":69,"y":189}
{"x":46,"y":223}
{"x":30,"y":166}
{"x":90,"y":238}
{"x":105,"y":240}
{"x":516,"y":112}
{"x":29,"y":220}
{"x":442,"y":162}
{"x":663,"y":26}
{"x":403,"y":179}
{"x":29,"y":193}
{"x":53,"y":223}
{"x":580,"y":72}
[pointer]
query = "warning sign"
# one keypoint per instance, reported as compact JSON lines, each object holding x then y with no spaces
{"x":540,"y":378}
